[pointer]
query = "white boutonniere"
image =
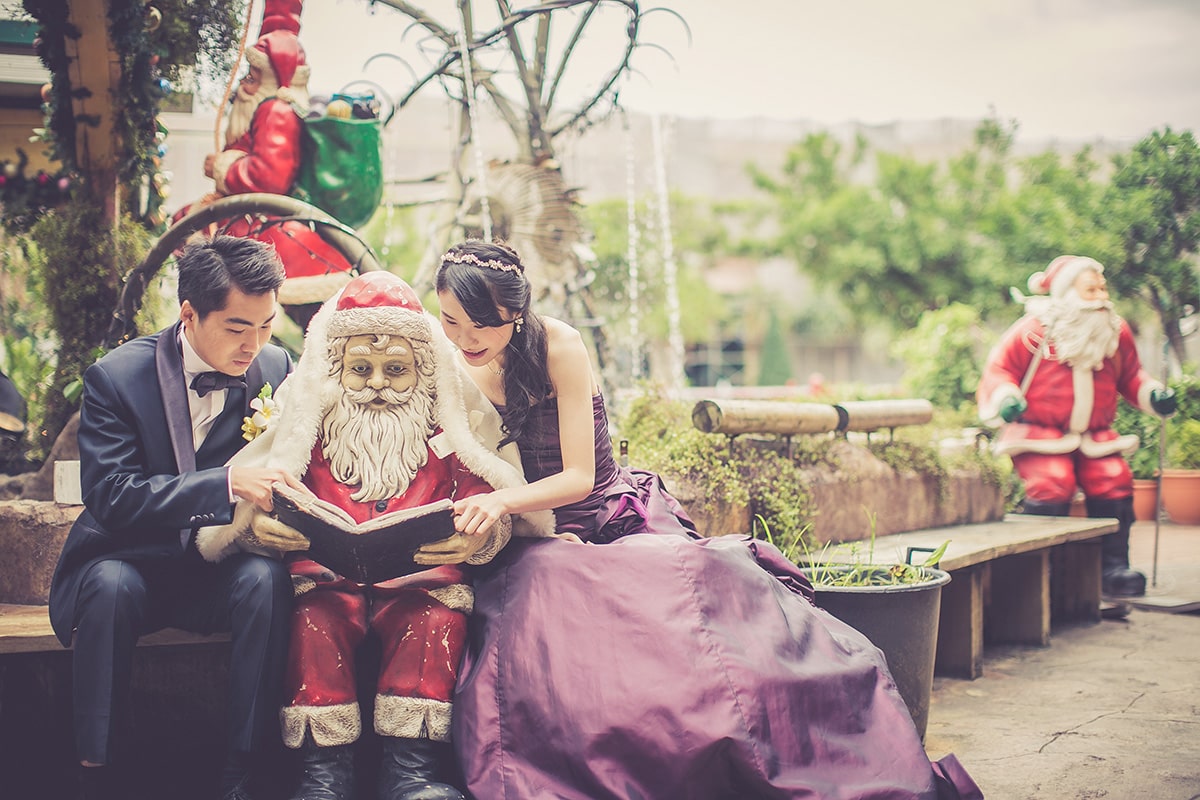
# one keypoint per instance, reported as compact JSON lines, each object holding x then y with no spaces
{"x":260,"y":418}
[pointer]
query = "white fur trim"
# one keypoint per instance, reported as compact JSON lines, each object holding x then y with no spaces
{"x":1066,"y":270}
{"x":498,"y":536}
{"x":221,"y":164}
{"x":1070,"y":271}
{"x":1125,"y":445}
{"x":393,"y":319}
{"x":1068,"y":443}
{"x":329,"y":725}
{"x":989,"y":412}
{"x":1143,"y":395}
{"x":412,"y":717}
{"x":1084,"y":385}
{"x":302,"y":290}
{"x":456,"y":597}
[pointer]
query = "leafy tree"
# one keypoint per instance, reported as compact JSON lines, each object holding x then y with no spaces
{"x":1155,"y":201}
{"x":911,"y":241}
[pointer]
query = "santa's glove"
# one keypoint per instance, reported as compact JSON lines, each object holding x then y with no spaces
{"x":260,"y":530}
{"x":1163,"y":402}
{"x":1012,"y":407}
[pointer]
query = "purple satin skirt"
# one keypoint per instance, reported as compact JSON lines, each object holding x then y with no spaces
{"x":666,"y":668}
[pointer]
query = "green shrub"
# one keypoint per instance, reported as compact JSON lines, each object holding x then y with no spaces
{"x":662,"y":439}
{"x":942,"y":356}
{"x":1180,"y":430}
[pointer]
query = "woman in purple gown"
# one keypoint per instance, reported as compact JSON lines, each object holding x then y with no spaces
{"x":631,"y":657}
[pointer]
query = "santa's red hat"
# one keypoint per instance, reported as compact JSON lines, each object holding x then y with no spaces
{"x":379,"y":302}
{"x":1060,"y":275}
{"x":278,"y":49}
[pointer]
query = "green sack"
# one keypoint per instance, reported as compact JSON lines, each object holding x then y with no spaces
{"x":341,"y":167}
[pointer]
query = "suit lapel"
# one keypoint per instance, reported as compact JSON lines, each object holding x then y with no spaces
{"x":169,"y":364}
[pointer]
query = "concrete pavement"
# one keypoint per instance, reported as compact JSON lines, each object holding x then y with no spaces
{"x":1110,"y":710}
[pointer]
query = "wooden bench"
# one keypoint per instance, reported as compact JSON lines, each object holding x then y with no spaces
{"x":26,"y":629}
{"x":1010,"y":581}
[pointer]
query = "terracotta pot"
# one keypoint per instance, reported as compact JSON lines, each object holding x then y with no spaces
{"x":1181,"y":495}
{"x":1145,"y":499}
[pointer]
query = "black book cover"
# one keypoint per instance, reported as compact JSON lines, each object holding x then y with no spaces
{"x":369,"y":552}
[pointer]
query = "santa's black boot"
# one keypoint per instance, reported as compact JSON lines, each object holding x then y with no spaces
{"x":409,"y":768}
{"x":328,"y":772}
{"x":1116,"y":578}
{"x":1046,"y":509}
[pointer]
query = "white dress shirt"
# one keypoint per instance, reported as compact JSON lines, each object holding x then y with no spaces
{"x":204,"y":410}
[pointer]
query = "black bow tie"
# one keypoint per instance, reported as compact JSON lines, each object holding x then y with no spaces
{"x":207,"y":382}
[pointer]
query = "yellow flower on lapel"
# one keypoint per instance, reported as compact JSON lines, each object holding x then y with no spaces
{"x":258,"y":421}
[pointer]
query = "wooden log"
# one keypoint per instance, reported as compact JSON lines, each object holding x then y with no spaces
{"x":763,"y":416}
{"x":871,"y":415}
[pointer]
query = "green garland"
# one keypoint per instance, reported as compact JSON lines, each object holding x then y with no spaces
{"x":24,"y":198}
{"x":155,"y":44}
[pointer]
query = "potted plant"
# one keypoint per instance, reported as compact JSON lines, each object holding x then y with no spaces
{"x":1181,"y":476}
{"x":896,"y":606}
{"x":1144,"y":462}
{"x":1180,"y":461}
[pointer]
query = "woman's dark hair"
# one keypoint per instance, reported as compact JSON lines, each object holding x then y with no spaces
{"x":209,"y":269}
{"x":484,"y":278}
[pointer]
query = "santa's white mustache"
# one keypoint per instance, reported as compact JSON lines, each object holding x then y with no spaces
{"x":367,"y":395}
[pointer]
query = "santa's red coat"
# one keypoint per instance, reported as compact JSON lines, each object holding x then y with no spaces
{"x":267,"y":159}
{"x":419,"y":619}
{"x":1069,"y":408}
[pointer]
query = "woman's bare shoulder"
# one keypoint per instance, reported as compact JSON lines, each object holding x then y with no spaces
{"x":569,"y":361}
{"x":561,"y":336}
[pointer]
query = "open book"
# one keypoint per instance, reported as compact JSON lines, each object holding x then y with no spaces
{"x":369,"y":552}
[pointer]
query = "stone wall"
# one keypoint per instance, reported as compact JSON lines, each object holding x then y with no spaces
{"x":32,"y":533}
{"x":859,"y":485}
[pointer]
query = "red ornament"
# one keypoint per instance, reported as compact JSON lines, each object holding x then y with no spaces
{"x":47,"y":92}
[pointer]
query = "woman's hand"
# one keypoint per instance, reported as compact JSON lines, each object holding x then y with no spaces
{"x":477,"y":513}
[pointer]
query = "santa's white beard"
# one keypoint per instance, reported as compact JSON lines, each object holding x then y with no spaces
{"x":378,"y":449}
{"x":241,"y":112}
{"x":1083,"y":333}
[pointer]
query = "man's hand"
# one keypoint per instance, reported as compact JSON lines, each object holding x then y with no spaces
{"x":254,"y":484}
{"x":1012,"y":407}
{"x":453,"y":550}
{"x":1163,"y":402}
{"x":210,"y":162}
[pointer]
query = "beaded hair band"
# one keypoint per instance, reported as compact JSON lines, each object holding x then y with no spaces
{"x":491,"y":263}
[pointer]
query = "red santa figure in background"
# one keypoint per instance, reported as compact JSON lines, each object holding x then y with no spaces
{"x":371,"y":422}
{"x":1054,"y":379}
{"x":262,"y":154}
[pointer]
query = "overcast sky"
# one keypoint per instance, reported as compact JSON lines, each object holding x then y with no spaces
{"x":1069,"y":69}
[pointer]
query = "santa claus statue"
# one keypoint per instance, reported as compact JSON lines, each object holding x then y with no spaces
{"x":1053,"y":381}
{"x":262,"y":154}
{"x":376,"y":418}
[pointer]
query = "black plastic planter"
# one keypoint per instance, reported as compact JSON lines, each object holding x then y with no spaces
{"x":901,"y":620}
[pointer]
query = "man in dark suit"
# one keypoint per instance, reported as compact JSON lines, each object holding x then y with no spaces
{"x":160,"y":417}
